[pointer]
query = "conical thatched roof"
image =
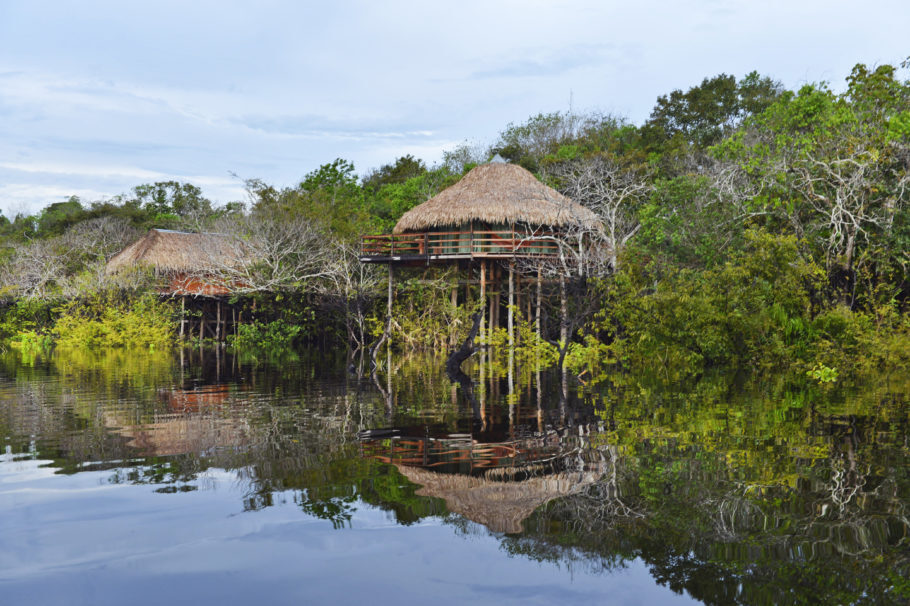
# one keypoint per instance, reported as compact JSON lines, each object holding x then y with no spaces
{"x":497,"y":193}
{"x":176,"y":251}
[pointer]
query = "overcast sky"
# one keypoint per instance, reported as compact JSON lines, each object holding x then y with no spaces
{"x":97,"y":97}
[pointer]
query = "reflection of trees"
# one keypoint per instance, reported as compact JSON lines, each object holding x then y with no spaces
{"x":603,"y":502}
{"x":779,"y":496}
{"x":287,"y":433}
{"x":740,"y":519}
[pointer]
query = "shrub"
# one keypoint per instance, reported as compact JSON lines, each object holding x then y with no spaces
{"x":106,"y":320}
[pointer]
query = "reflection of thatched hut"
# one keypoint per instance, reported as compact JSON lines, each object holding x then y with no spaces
{"x":490,"y":212}
{"x":497,"y":484}
{"x":188,"y":260}
{"x":500,"y":506}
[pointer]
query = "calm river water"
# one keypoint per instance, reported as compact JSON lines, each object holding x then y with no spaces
{"x":200,"y":478}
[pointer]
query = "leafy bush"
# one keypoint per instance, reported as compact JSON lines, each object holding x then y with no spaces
{"x":531,"y":350}
{"x":106,"y":320}
{"x":27,"y":315}
{"x":267,"y":335}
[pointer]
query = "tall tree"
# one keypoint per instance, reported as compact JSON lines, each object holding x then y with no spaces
{"x":835,"y":167}
{"x":704,"y":114}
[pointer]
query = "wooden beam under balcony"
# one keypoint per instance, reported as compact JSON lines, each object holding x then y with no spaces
{"x":442,"y":247}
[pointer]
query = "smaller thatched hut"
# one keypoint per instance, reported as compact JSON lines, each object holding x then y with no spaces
{"x":190,"y":261}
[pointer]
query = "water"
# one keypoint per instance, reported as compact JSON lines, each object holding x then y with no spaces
{"x":199,"y":477}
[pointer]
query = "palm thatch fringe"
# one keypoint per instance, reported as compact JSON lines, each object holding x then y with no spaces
{"x":498,"y":193}
{"x":169,"y":251}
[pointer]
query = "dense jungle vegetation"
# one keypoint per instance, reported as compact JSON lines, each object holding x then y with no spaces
{"x":746,"y":227}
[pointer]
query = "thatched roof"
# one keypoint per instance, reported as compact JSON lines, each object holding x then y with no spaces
{"x":497,"y":193}
{"x":175,"y":251}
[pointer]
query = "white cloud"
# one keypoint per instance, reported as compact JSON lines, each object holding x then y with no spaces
{"x":193,"y":91}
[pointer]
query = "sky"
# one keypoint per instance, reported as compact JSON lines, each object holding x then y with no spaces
{"x":97,"y":97}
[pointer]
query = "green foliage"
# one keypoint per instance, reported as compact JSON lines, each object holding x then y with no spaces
{"x":31,"y":345}
{"x":56,"y":217}
{"x":169,"y":201}
{"x":833,"y":171}
{"x":753,"y":310}
{"x":687,"y":223}
{"x":531,"y":350}
{"x":773,"y":232}
{"x":27,"y":315}
{"x":405,"y":168}
{"x":387,"y":199}
{"x":704,"y":114}
{"x":424,"y":317}
{"x":265,"y":336}
{"x":592,"y":360}
{"x":822,"y":373}
{"x":109,"y":320}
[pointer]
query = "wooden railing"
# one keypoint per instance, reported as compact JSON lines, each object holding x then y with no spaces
{"x":456,"y":244}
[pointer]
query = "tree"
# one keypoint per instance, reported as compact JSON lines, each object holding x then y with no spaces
{"x":329,"y":196}
{"x":547,"y":135}
{"x":613,"y":191}
{"x":403,"y":169}
{"x":706,"y":113}
{"x":836,"y":168}
{"x":56,"y":217}
{"x":173,"y":202}
{"x":267,"y":252}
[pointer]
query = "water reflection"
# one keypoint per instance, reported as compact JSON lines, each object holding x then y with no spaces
{"x":772,"y":493}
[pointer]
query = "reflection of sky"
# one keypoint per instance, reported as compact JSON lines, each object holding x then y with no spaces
{"x":99,"y":96}
{"x":78,"y":539}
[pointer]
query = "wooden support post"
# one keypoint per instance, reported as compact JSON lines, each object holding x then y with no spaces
{"x":540,"y":424}
{"x":539,"y":299}
{"x":182,"y":315}
{"x":389,"y":303}
{"x":387,"y":336}
{"x":563,"y":311}
{"x":517,"y":302}
{"x":497,"y":282}
{"x":511,"y":326}
{"x":510,"y":322}
{"x":201,"y":325}
{"x":482,"y":396}
{"x":218,"y":327}
{"x":483,"y":298}
{"x":528,"y":301}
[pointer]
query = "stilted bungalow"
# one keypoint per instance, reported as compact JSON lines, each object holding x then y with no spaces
{"x":498,"y":215}
{"x":187,"y":265}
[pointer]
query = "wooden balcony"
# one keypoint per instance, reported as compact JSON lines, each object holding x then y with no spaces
{"x":454,"y":245}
